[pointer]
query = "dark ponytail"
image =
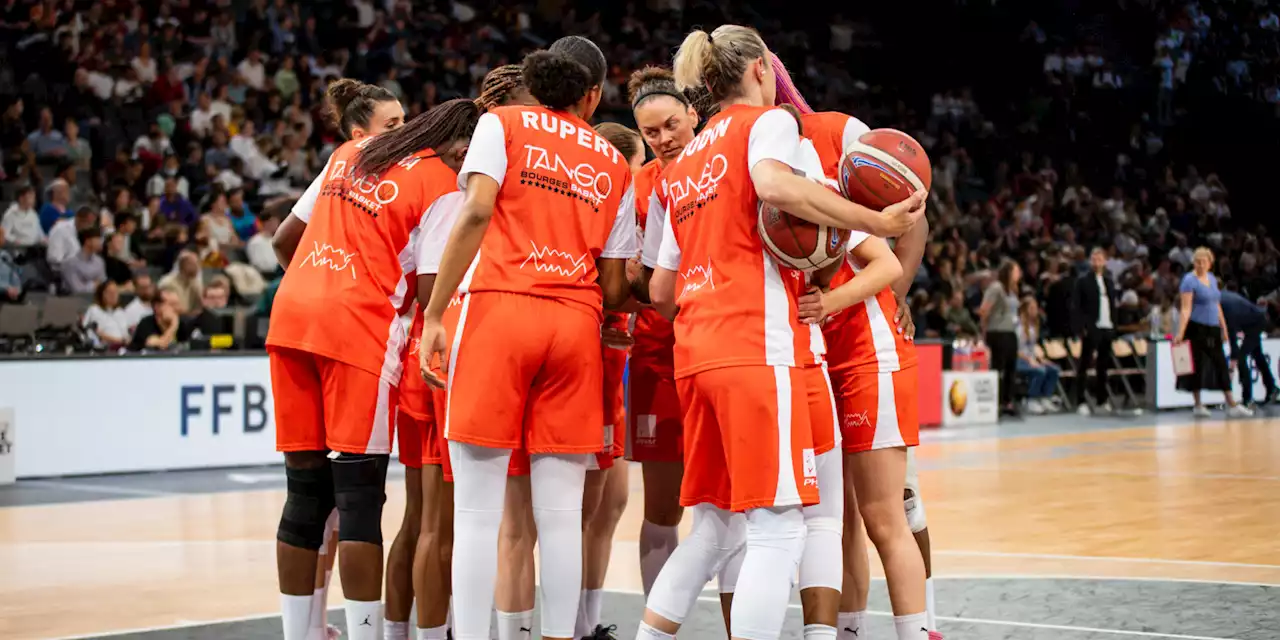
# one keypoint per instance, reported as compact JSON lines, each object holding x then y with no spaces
{"x":556,"y":80}
{"x":351,"y":103}
{"x":435,"y":129}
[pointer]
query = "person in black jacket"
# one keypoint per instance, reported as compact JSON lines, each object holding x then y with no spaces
{"x":1093,"y":316}
{"x":1244,"y":317}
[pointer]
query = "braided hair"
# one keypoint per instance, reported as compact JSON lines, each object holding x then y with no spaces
{"x":499,"y":85}
{"x":436,"y":129}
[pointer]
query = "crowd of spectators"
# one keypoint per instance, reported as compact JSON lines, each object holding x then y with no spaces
{"x":157,"y":144}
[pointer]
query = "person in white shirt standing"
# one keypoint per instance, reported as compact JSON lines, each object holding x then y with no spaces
{"x":21,"y":222}
{"x":261,"y":255}
{"x":1093,"y":307}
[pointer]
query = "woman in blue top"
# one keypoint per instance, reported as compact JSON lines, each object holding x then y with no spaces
{"x":1201,"y":323}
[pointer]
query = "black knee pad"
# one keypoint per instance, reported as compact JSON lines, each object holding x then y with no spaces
{"x":307,"y":506}
{"x":359,"y":487}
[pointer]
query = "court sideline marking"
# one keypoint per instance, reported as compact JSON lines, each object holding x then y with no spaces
{"x":708,"y":599}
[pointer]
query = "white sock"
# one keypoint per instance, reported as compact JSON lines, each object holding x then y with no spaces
{"x":656,"y":545}
{"x":438,"y":633}
{"x":593,"y":602}
{"x":819,"y":632}
{"x":295,"y":613}
{"x":852,"y":625}
{"x":582,"y":626}
{"x":515,"y":625}
{"x":929,"y":604}
{"x":413,"y":617}
{"x":912,"y":627}
{"x":646,"y":632}
{"x":395,"y":630}
{"x":364,"y":620}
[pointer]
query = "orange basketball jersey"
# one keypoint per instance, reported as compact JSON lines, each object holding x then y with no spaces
{"x":352,"y":275}
{"x":736,"y":306}
{"x":831,"y":133}
{"x":654,"y":335}
{"x":561,"y":204}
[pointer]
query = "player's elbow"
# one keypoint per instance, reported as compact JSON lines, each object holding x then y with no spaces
{"x":662,"y":292}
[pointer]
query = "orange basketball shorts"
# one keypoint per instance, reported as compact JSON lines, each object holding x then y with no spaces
{"x":747,"y":438}
{"x":525,"y":372}
{"x":878,"y":410}
{"x":321,"y":404}
{"x":822,"y":408}
{"x":654,"y":432}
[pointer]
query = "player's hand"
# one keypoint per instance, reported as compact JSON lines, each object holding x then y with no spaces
{"x":812,"y":307}
{"x":897,"y":219}
{"x":634,"y":268}
{"x":903,"y":320}
{"x":616,"y":338}
{"x":433,"y":342}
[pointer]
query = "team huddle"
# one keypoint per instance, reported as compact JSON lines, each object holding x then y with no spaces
{"x":477,"y":283}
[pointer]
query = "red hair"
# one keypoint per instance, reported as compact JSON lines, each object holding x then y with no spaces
{"x":787,"y":92}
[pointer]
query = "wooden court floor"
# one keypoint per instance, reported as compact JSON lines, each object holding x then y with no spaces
{"x":1157,"y":499}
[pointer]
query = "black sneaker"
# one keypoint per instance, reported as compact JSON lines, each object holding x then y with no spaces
{"x":603,"y":633}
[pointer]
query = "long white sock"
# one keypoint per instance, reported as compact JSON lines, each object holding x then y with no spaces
{"x":392,"y":630}
{"x":929,"y":604}
{"x":646,"y":632}
{"x":479,"y":488}
{"x":413,"y":618}
{"x":515,"y":625}
{"x":556,"y":483}
{"x":656,"y":545}
{"x":295,"y":613}
{"x":593,"y":602}
{"x":364,"y":620}
{"x":438,"y":633}
{"x":320,"y":610}
{"x":852,"y":625}
{"x":912,"y":627}
{"x":819,"y":632}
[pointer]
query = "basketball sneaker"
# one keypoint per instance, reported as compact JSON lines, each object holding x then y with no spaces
{"x":934,"y":635}
{"x":603,"y":633}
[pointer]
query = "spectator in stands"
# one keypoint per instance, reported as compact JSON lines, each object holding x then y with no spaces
{"x":152,"y":146}
{"x":58,"y":206}
{"x":218,"y":224}
{"x":258,"y":249}
{"x":21,"y":223}
{"x":1042,"y":375}
{"x":211,"y":321}
{"x":85,"y":270}
{"x":105,"y":321}
{"x":185,"y":282}
{"x":174,"y":206}
{"x":165,"y":328}
{"x":10,"y":274}
{"x":171,"y":169}
{"x":242,"y":218}
{"x":1248,"y":320}
{"x":114,"y":254}
{"x":1163,"y":319}
{"x":999,"y":314}
{"x":144,"y":291}
{"x":1094,"y":314}
{"x":64,"y":237}
{"x":47,"y":143}
{"x":79,"y":153}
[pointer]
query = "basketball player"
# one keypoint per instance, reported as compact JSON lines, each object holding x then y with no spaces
{"x":654,"y":437}
{"x":604,"y":496}
{"x":358,"y":110}
{"x":748,"y":445}
{"x":536,"y":380}
{"x":864,"y":347}
{"x":433,"y":144}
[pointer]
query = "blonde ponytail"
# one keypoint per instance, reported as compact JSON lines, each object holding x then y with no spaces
{"x":718,"y":59}
{"x":691,"y":57}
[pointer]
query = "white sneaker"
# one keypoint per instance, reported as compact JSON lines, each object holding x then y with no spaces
{"x":1106,"y":408}
{"x":1084,"y":410}
{"x":1239,"y":411}
{"x":1034,"y":407}
{"x":1201,"y":411}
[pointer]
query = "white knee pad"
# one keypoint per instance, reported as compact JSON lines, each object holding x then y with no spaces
{"x":775,"y":541}
{"x":716,"y":535}
{"x":913,"y":504}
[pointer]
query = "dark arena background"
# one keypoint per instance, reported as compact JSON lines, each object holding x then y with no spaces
{"x":140,"y":489}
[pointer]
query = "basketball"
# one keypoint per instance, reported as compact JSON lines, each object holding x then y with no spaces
{"x":884,"y":167}
{"x":798,"y":243}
